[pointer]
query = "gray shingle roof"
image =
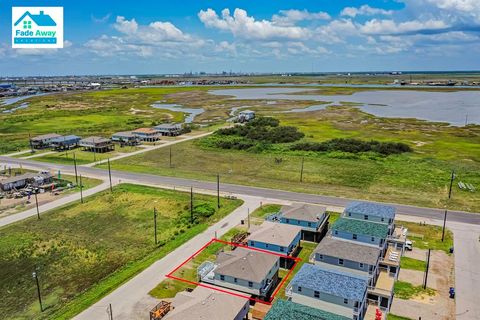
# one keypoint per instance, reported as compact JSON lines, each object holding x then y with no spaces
{"x":348,"y":250}
{"x":372,"y":209}
{"x":368,"y":228}
{"x":245,"y":264}
{"x":337,"y":283}
{"x":288,"y":310}
{"x":303,"y":212}
{"x":275,"y":233}
{"x":46,"y":136}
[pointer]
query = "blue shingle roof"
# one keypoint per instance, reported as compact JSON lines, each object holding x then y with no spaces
{"x":337,"y":283}
{"x":66,"y":138}
{"x":287,"y":310}
{"x":372,"y":209}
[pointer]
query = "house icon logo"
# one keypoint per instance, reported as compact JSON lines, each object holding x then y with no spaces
{"x":37,"y":27}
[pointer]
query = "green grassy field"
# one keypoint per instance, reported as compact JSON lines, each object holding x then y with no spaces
{"x":85,"y":251}
{"x":428,"y":236}
{"x":405,"y":290}
{"x":413,"y":264}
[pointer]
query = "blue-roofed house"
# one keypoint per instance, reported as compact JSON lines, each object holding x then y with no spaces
{"x":65,"y":142}
{"x":41,"y":19}
{"x":312,"y":219}
{"x":288,"y":310}
{"x":334,"y":291}
{"x":370,"y":211}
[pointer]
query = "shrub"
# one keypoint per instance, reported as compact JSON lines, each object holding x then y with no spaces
{"x":203,"y":210}
{"x":354,"y":146}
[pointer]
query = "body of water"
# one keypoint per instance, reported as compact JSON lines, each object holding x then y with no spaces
{"x":191,"y":112}
{"x":452,"y":107}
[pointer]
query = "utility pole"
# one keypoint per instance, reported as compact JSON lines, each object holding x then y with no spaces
{"x":466,"y":119}
{"x":155,"y":223}
{"x":248,"y":218}
{"x":30,"y":142}
{"x":426,"y":271}
{"x":451,"y":184}
{"x":36,"y":203}
{"x":75,"y":165}
{"x":191,"y":205}
{"x":94,"y":151}
{"x":81,"y":189}
{"x":110,"y":312}
{"x":444,"y":222}
{"x":170,"y":156}
{"x":301,"y":170}
{"x":35,"y":276}
{"x":218,"y":191}
{"x":110,"y":175}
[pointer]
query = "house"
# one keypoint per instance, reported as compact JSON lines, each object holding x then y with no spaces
{"x":43,"y":141}
{"x":348,"y":256}
{"x":337,"y":292}
{"x":243,"y":270}
{"x":278,"y":238}
{"x":312,"y":219}
{"x":126,"y":138}
{"x":21,"y":181}
{"x":207,"y":304}
{"x":370,"y":211}
{"x":365,"y":232}
{"x":169,"y":129}
{"x":65,"y":142}
{"x":288,"y":310}
{"x":41,"y":20}
{"x":246,"y":116}
{"x":96,"y":144}
{"x":147,"y":134}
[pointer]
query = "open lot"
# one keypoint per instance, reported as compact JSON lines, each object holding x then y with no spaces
{"x":83,"y":252}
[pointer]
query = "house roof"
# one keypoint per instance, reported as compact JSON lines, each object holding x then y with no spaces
{"x":94,"y":140}
{"x":66,"y":138}
{"x":46,"y":136}
{"x":288,"y":310}
{"x":145,"y":130}
{"x":347,"y":250}
{"x":28,"y":175}
{"x":337,"y":283}
{"x":303,"y":212}
{"x":275,"y":233}
{"x":127,"y":134}
{"x":42,"y":20}
{"x":169,"y":126}
{"x":372,"y":209}
{"x":245,"y":264}
{"x":364,"y":227}
{"x":205,"y":304}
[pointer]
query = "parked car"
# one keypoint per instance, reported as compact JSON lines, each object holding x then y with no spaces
{"x":408,"y":245}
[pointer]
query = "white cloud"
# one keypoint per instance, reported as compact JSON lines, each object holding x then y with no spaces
{"x":376,"y":26}
{"x":243,"y":26}
{"x":101,"y":19}
{"x":291,"y":17}
{"x":124,"y":26}
{"x":336,"y":31}
{"x":364,"y":10}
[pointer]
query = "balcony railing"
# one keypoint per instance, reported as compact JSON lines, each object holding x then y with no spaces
{"x":266,"y":287}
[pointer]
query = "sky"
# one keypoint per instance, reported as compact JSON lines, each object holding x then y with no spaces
{"x":161,"y":37}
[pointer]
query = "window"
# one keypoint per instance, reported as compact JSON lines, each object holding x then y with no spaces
{"x":340,"y":262}
{"x":349,"y":214}
{"x":345,"y":301}
{"x":222,"y":277}
{"x":365,"y":217}
{"x":336,"y":232}
{"x":316,"y":294}
{"x":298,"y":221}
{"x":299,"y":289}
{"x":320,"y":256}
{"x":266,"y":245}
{"x":361,"y":265}
{"x":383,"y":219}
{"x":309,"y":224}
{"x":250,"y":284}
{"x":282,"y":249}
{"x":288,"y":220}
{"x":235,"y":280}
{"x":252,"y":243}
{"x":354,"y":237}
{"x":373,"y":239}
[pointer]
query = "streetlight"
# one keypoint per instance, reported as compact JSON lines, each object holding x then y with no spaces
{"x":35,"y":276}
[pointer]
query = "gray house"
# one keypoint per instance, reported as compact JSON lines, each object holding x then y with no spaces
{"x":204,"y":303}
{"x":169,"y":129}
{"x":333,"y":291}
{"x":348,"y":256}
{"x":97,"y":144}
{"x":312,"y":219}
{"x":43,"y":141}
{"x":21,"y":181}
{"x":243,"y":270}
{"x":125,"y":138}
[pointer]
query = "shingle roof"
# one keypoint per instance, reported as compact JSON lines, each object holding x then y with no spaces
{"x":66,"y":138}
{"x":275,"y":233}
{"x":145,"y":130}
{"x":127,"y":134}
{"x":372,"y":209}
{"x":46,"y":136}
{"x":303,"y":212}
{"x":94,"y":140}
{"x":25,"y":176}
{"x":169,"y":126}
{"x":348,"y":250}
{"x":355,"y":226}
{"x":245,"y":264}
{"x":337,"y":283}
{"x":205,"y":304}
{"x":288,"y":310}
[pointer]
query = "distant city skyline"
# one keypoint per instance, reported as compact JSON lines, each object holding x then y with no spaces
{"x":157,"y":37}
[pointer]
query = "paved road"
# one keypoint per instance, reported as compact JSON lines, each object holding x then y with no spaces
{"x":427,"y":213}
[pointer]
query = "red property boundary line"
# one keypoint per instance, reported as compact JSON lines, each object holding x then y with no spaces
{"x":269,"y":302}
